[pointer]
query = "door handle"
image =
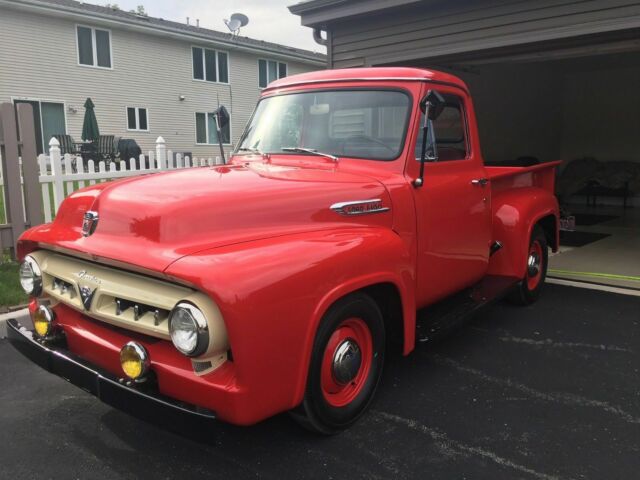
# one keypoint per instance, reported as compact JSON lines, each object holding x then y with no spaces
{"x":479,"y":181}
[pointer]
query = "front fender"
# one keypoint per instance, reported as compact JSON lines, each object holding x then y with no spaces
{"x":273,"y":293}
{"x":515,"y":212}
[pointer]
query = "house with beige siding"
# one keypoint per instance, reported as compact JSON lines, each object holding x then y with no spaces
{"x":147,"y":77}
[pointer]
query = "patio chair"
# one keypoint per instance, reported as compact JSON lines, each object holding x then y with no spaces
{"x":67,"y":144}
{"x":107,"y":148}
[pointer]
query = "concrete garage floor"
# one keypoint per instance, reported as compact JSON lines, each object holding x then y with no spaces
{"x":544,"y":392}
{"x":611,"y":260}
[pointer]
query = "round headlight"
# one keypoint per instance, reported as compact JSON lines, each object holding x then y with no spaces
{"x":42,"y":319}
{"x":188,"y":328}
{"x":30,"y":276}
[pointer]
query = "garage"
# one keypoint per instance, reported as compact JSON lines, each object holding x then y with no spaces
{"x":551,"y":80}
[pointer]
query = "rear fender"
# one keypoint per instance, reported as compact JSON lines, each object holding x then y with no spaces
{"x":273,"y":293}
{"x":515,"y":213}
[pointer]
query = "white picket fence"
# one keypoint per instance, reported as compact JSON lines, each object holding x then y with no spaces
{"x":59,"y":177}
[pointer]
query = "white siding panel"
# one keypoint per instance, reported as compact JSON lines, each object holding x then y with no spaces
{"x":38,"y":60}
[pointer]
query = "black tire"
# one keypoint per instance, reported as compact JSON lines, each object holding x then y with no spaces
{"x":318,"y":411}
{"x":530,"y":287}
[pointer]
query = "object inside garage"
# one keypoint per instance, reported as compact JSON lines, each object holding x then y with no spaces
{"x":580,"y":106}
{"x":551,"y":80}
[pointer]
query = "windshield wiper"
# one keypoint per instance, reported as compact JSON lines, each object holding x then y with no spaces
{"x":248,"y":149}
{"x":312,"y":151}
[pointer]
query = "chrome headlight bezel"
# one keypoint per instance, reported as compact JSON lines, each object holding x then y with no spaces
{"x":35,"y":276}
{"x":199,"y":328}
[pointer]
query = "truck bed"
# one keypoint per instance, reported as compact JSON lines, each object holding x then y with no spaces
{"x":541,"y":175}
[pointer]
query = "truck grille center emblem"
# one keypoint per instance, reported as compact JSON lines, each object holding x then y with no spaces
{"x":359,"y":207}
{"x":89,"y":223}
{"x":86,"y":293}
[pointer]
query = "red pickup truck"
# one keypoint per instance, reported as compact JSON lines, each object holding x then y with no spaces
{"x":280,"y":280}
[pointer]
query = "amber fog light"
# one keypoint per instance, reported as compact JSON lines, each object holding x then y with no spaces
{"x":134,"y":361}
{"x":42,"y":320}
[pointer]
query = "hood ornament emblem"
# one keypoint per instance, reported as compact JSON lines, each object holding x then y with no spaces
{"x":359,"y":207}
{"x":86,"y":294}
{"x":89,"y":223}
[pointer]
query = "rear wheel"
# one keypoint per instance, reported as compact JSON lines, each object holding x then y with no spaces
{"x":346,"y":365}
{"x":530,"y":286}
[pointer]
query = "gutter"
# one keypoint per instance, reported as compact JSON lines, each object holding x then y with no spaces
{"x":157,"y":30}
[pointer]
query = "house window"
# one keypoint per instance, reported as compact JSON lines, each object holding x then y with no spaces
{"x":94,"y":47}
{"x":206,"y":131}
{"x":137,"y":119}
{"x":210,"y":65}
{"x":270,"y":70}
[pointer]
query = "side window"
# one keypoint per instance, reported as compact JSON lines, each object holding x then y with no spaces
{"x":450,"y":132}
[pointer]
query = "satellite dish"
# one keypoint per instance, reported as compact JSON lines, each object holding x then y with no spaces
{"x":236,"y":21}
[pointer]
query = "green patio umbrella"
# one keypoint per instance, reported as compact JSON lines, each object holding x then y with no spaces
{"x":90,"y":129}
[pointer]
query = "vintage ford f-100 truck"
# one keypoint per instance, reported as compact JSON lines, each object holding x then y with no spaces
{"x":279,"y":281}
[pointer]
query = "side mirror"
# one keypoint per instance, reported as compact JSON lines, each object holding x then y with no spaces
{"x":222,"y":120}
{"x":432,"y":104}
{"x":223,"y":116}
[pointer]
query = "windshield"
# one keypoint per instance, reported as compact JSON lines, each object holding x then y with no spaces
{"x":368,"y":124}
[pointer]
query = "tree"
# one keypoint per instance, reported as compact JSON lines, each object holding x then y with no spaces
{"x":139,"y":11}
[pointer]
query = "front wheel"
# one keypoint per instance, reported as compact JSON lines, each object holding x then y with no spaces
{"x":346,"y":365}
{"x":529,"y":288}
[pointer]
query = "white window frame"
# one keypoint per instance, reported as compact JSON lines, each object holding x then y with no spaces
{"x":204,"y":66}
{"x":137,"y":129}
{"x":94,"y":47}
{"x":206,"y":125}
{"x":278,"y":62}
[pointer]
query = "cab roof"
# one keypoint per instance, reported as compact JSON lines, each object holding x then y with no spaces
{"x":399,"y":74}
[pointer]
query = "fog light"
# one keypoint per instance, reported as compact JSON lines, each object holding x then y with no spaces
{"x":42,"y":320}
{"x":134,"y":360}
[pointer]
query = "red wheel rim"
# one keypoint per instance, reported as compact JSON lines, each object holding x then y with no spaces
{"x":336,"y":391}
{"x":534,"y":265}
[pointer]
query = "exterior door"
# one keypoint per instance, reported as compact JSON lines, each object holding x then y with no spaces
{"x":452,"y":207}
{"x":49,"y":120}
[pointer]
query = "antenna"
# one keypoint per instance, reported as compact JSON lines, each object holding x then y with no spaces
{"x":236,"y":21}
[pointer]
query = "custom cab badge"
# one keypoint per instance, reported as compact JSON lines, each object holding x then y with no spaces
{"x":359,"y":207}
{"x":89,"y":223}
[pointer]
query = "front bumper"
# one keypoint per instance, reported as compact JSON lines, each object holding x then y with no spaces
{"x":108,"y":388}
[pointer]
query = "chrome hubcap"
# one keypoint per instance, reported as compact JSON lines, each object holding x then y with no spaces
{"x":533,"y":264}
{"x":346,"y":361}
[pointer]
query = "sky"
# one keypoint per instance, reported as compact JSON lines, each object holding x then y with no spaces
{"x":269,"y":20}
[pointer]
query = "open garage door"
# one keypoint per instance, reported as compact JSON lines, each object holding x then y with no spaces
{"x":579,"y":104}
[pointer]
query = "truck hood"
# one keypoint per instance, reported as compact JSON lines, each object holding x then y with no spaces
{"x":152,"y":220}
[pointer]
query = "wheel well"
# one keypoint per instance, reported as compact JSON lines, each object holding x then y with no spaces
{"x":387,"y":297}
{"x":548,"y":225}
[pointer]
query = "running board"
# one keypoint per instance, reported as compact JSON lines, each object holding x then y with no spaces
{"x":437,"y":319}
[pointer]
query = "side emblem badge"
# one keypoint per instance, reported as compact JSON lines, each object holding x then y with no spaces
{"x":86,"y":293}
{"x":89,"y":223}
{"x":359,"y":207}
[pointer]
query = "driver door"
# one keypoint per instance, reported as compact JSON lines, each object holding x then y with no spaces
{"x":453,"y":207}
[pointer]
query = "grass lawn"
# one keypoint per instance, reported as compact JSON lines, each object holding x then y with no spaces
{"x":11,"y":292}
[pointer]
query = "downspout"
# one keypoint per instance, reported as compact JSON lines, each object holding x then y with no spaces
{"x":317,"y":36}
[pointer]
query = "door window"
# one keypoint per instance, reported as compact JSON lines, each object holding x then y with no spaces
{"x":450,"y":132}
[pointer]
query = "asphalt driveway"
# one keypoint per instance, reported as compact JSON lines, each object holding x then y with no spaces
{"x":550,"y":391}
